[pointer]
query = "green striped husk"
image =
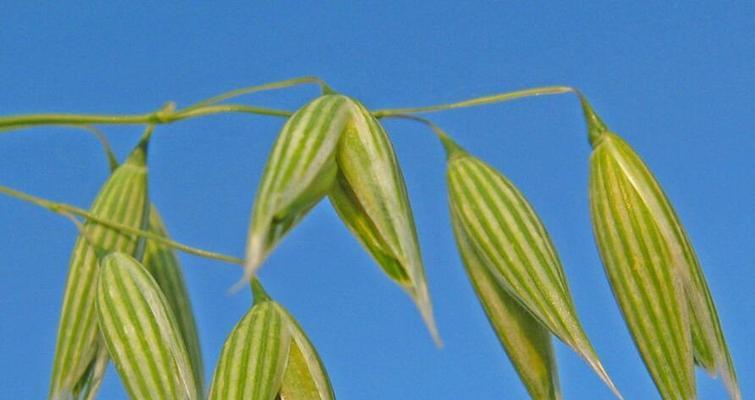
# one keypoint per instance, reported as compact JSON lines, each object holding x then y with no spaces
{"x":141,"y":333}
{"x":305,"y":377}
{"x":370,"y":197}
{"x":299,"y":172}
{"x":526,"y":341}
{"x":653,"y":270}
{"x":514,"y":248}
{"x":122,"y":199}
{"x":267,"y":357}
{"x":334,"y":146}
{"x":162,"y":264}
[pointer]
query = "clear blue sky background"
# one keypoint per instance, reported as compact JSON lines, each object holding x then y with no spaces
{"x":675,"y":81}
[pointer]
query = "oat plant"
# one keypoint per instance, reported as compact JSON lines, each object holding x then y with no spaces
{"x":125,"y":299}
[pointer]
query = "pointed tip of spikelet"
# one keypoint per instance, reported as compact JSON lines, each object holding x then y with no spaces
{"x":426,"y":310}
{"x":251,"y":266}
{"x":255,"y":255}
{"x":597,"y":366}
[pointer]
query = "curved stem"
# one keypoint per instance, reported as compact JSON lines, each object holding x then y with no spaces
{"x":163,"y":116}
{"x":439,"y":132}
{"x":109,"y":154}
{"x":167,"y":114}
{"x":67,"y":209}
{"x":478,"y":101}
{"x":225,"y":108}
{"x":448,"y":144}
{"x":259,"y":88}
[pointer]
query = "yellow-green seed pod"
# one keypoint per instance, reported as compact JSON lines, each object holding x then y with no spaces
{"x":253,"y":358}
{"x":141,"y":333}
{"x":305,"y":377}
{"x":267,"y":357}
{"x":299,"y":172}
{"x":370,"y":197}
{"x":162,"y":263}
{"x":526,"y":341}
{"x":511,"y":243}
{"x":653,"y":270}
{"x":122,"y":199}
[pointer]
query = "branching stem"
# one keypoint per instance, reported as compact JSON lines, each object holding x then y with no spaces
{"x":162,"y":116}
{"x":68,"y":210}
{"x":478,"y":101}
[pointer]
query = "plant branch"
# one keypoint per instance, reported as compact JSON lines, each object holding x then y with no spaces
{"x":478,"y":101}
{"x":439,"y":132}
{"x":259,"y":88}
{"x":165,"y":115}
{"x":68,"y":210}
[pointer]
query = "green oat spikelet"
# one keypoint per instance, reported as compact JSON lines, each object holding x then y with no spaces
{"x":268,"y":356}
{"x":526,"y":341}
{"x":334,"y":146}
{"x":141,"y":333}
{"x":163,"y":265}
{"x":653,"y":270}
{"x":370,"y":197}
{"x":305,"y":377}
{"x":253,"y":358}
{"x":499,"y":228}
{"x":77,"y":367}
{"x":299,"y":172}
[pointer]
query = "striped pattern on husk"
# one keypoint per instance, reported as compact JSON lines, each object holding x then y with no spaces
{"x":299,"y":172}
{"x":371,"y":198}
{"x":526,"y":341}
{"x":510,"y":239}
{"x":162,"y":264}
{"x":305,"y":377}
{"x":141,"y":332}
{"x":253,"y":359}
{"x":122,"y":199}
{"x":654,"y":272}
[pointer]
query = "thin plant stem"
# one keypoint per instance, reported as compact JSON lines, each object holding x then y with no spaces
{"x":165,"y":115}
{"x":444,"y":137}
{"x":67,"y":209}
{"x":109,"y":154}
{"x":478,"y":101}
{"x":259,"y":88}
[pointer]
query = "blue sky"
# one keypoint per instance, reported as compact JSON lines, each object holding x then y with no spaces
{"x":676,"y":81}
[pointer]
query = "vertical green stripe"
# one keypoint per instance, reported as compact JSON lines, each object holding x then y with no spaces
{"x":525,"y":340}
{"x":121,"y":200}
{"x":141,"y":332}
{"x":640,"y":275}
{"x":253,"y":359}
{"x":505,"y":231}
{"x":163,"y":264}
